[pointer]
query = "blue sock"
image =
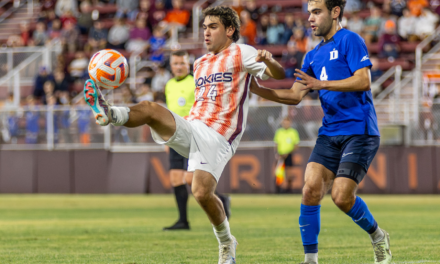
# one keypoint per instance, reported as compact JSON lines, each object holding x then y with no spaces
{"x":309,"y":226}
{"x":362,"y":216}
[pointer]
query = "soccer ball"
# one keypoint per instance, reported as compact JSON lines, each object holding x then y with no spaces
{"x":108,"y":68}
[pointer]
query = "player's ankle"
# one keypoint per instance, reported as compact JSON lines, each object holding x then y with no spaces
{"x":119,"y":115}
{"x":223,"y":233}
{"x":377,"y":235}
{"x":311,"y":257}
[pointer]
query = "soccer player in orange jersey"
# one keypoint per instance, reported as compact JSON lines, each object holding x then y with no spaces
{"x":211,"y":134}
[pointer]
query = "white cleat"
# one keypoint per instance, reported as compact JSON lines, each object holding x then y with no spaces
{"x":382,"y":252}
{"x":227,"y":252}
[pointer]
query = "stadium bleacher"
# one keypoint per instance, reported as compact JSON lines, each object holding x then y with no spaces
{"x":106,"y":14}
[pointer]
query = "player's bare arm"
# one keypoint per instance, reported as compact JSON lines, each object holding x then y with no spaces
{"x":274,"y":69}
{"x":292,"y":96}
{"x":359,"y":82}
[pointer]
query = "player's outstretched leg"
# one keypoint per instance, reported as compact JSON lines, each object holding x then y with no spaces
{"x":148,"y":113}
{"x":318,"y":180}
{"x":203,"y":188}
{"x":343,"y":194}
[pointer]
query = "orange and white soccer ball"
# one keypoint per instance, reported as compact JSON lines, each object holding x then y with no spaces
{"x":108,"y":68}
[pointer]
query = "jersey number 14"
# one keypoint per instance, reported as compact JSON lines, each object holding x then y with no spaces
{"x":212,"y":93}
{"x":324,"y":76}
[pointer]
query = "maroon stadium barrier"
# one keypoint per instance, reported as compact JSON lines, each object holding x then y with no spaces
{"x":395,"y":170}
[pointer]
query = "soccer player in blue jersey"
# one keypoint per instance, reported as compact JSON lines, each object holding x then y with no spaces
{"x":339,"y":70}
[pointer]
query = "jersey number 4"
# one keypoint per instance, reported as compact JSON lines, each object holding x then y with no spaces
{"x":212,"y":93}
{"x":324,"y":76}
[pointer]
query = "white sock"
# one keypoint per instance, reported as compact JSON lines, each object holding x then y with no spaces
{"x":223,"y":233}
{"x":311,"y":257}
{"x":377,"y":236}
{"x":119,"y":115}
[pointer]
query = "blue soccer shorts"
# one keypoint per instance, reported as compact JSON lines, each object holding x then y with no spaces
{"x":346,"y":156}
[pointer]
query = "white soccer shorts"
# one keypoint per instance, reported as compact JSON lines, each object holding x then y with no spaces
{"x":205,"y":149}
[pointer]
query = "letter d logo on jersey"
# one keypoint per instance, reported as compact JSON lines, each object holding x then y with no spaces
{"x":333,"y":54}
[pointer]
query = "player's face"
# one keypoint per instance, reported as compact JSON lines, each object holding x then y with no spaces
{"x":179,"y":66}
{"x":215,"y":34}
{"x":320,"y":18}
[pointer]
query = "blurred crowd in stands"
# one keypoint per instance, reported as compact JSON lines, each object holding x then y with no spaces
{"x":143,"y":26}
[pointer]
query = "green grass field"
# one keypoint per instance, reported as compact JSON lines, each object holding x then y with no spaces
{"x":128,"y":229}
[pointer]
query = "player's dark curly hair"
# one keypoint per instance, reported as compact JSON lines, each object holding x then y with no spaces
{"x":334,"y":3}
{"x":228,"y":17}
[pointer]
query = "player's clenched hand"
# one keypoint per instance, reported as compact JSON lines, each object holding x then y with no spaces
{"x":308,"y":81}
{"x":263,"y":56}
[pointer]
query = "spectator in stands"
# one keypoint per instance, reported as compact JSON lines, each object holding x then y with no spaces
{"x":144,"y":12}
{"x":139,"y":37}
{"x":78,"y":67}
{"x":158,"y":14}
{"x":15,"y":41}
{"x":48,"y":88}
{"x":97,"y":36}
{"x":127,"y":8}
{"x":291,"y":60}
{"x":68,"y":17}
{"x":66,"y":5}
{"x":407,"y":25}
{"x":42,"y":77}
{"x":376,"y":72}
{"x":416,"y":6}
{"x":69,"y":36}
{"x":160,"y":79}
{"x":47,"y":5}
{"x":157,"y":43}
{"x":262,"y":30}
{"x":395,"y":7}
{"x":299,"y":40}
{"x":40,"y":36}
{"x":372,"y":25}
{"x":275,"y":30}
{"x":355,"y":23}
{"x":85,"y":21}
{"x":305,"y":6}
{"x":61,"y":83}
{"x":178,"y":16}
{"x":426,"y":23}
{"x":32,"y":117}
{"x":145,"y":93}
{"x":289,"y":25}
{"x":118,"y":34}
{"x":352,"y":6}
{"x":237,"y":5}
{"x":251,"y":7}
{"x":248,"y":29}
{"x":25,"y":33}
{"x":54,"y":32}
{"x":84,"y":122}
{"x":389,"y":42}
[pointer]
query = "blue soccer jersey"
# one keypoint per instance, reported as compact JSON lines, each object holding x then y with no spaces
{"x":345,"y":113}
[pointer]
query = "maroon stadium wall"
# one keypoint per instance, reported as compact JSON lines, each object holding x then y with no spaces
{"x":395,"y":170}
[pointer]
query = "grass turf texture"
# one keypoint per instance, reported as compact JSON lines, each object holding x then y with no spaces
{"x":128,"y":229}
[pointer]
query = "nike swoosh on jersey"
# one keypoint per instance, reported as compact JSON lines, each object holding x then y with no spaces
{"x":346,"y":154}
